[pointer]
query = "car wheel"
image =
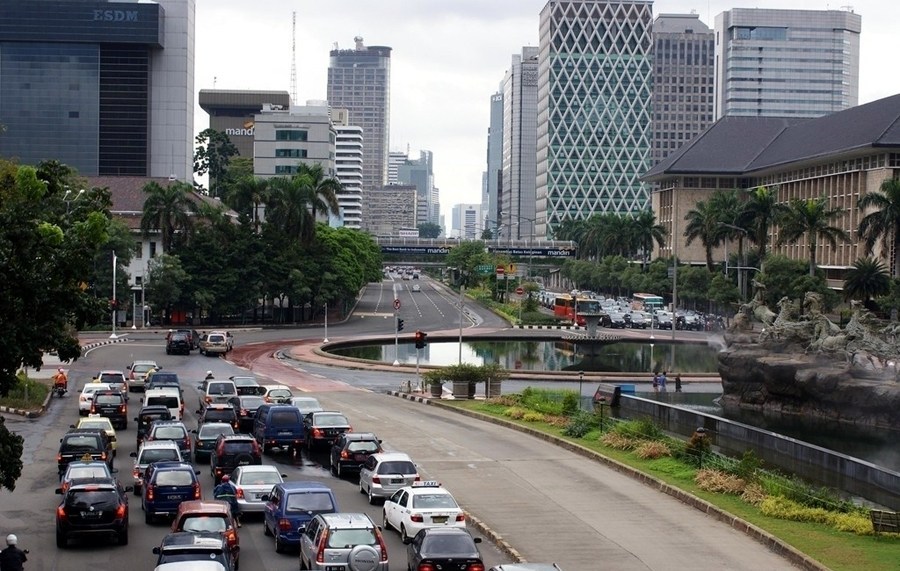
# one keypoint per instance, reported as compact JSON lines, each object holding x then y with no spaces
{"x":61,"y":540}
{"x":137,"y":490}
{"x":372,"y":499}
{"x":123,"y":537}
{"x":148,"y":517}
{"x":334,"y":470}
{"x":279,"y":548}
{"x":403,"y":536}
{"x":339,"y":472}
{"x":303,"y":565}
{"x":266,"y":531}
{"x":385,"y":524}
{"x":361,"y":489}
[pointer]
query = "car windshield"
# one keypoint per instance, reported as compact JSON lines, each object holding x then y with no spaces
{"x":397,"y":467}
{"x":204,"y":523}
{"x":169,"y":433}
{"x":363,"y":446}
{"x":347,"y":538}
{"x":174,"y":478}
{"x":330,"y":420}
{"x":309,"y":502}
{"x":159,"y":454}
{"x":447,"y":544}
{"x":259,"y":478}
{"x":434,"y":501}
{"x":207,"y":431}
{"x":88,"y":472}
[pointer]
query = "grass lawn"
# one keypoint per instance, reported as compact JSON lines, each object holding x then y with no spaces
{"x":28,"y":394}
{"x":835,"y":549}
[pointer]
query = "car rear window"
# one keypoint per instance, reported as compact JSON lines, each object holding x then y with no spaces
{"x":397,"y":467}
{"x":82,"y":498}
{"x":82,"y":441}
{"x":447,"y":544}
{"x":168,"y":402}
{"x":169,"y":433}
{"x":220,"y":389}
{"x":259,"y":478}
{"x":341,"y":538}
{"x":88,"y":472}
{"x":108,"y":399}
{"x":216,"y":415}
{"x":216,"y":338}
{"x":158,"y":455}
{"x":331,"y":420}
{"x":142,"y":368}
{"x":174,"y":478}
{"x":284,"y":417}
{"x":109,"y":378}
{"x":213,"y":431}
{"x":309,"y":502}
{"x":148,"y":418}
{"x":238,"y":447}
{"x":362,"y":446}
{"x":433,"y":501}
{"x":204,"y":523}
{"x":252,"y":402}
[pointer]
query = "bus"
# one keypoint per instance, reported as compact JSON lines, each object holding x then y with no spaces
{"x":567,"y":306}
{"x":646,"y":302}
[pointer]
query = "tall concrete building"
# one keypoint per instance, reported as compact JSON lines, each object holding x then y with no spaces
{"x":516,"y":210}
{"x":491,"y":183}
{"x":359,"y":80}
{"x":286,"y":138}
{"x":232,"y":112}
{"x":683,"y":81}
{"x":786,"y":63}
{"x":348,"y":166}
{"x":467,"y":221}
{"x":593,"y":126}
{"x":395,"y":159}
{"x":419,"y":173}
{"x":392,"y":209}
{"x":104,"y":87}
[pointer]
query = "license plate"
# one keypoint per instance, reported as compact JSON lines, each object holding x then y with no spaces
{"x":258,"y":496}
{"x":359,"y":457}
{"x":439,"y":519}
{"x":174,"y":497}
{"x":243,"y":462}
{"x":397,"y":480}
{"x":288,"y":433}
{"x":91,"y":515}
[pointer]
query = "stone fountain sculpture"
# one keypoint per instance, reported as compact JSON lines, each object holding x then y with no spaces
{"x":799,"y":362}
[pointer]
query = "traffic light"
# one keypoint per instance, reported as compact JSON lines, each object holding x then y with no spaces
{"x":399,"y":324}
{"x":420,"y":339}
{"x":113,"y":303}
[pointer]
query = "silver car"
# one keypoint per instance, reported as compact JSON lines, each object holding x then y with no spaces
{"x":342,"y":541}
{"x":253,"y":482}
{"x":385,"y":473}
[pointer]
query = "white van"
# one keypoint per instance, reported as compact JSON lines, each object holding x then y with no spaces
{"x":168,"y":397}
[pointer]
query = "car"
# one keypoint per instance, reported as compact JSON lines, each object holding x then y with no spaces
{"x":617,"y":320}
{"x":86,"y":398}
{"x":324,"y":427}
{"x":342,"y":541}
{"x":86,"y":473}
{"x":83,"y":444}
{"x":205,"y":438}
{"x":147,"y":416}
{"x":306,"y":405}
{"x":416,"y":287}
{"x":192,"y":335}
{"x":350,"y":450}
{"x":277,"y":394}
{"x":216,"y":343}
{"x":246,"y":385}
{"x":170,"y":397}
{"x":424,"y":504}
{"x":162,"y":380}
{"x":209,"y":515}
{"x":178,"y":343}
{"x":444,"y":548}
{"x":692,"y":322}
{"x":252,"y":483}
{"x":663,"y":320}
{"x":166,"y":485}
{"x":100,"y":423}
{"x":384,"y":473}
{"x":279,"y":426}
{"x":290,"y":505}
{"x":526,"y":567}
{"x":115,"y":379}
{"x":173,"y":430}
{"x":111,"y":404}
{"x":231,"y":451}
{"x":214,"y":391}
{"x":638,"y":320}
{"x":148,"y":453}
{"x":218,"y":413}
{"x":92,"y":509}
{"x":245,"y":407}
{"x":197,"y":549}
{"x":137,"y":371}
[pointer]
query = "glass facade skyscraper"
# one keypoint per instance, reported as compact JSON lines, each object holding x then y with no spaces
{"x":594,"y":109}
{"x":517,"y":189}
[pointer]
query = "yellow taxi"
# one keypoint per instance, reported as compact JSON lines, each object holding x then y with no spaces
{"x":99,"y":422}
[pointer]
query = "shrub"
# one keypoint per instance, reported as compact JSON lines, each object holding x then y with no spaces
{"x":546,"y":401}
{"x":515,"y":412}
{"x":504,"y":400}
{"x":643,"y":429}
{"x":719,"y":482}
{"x":856,"y":521}
{"x":580,"y":424}
{"x":556,"y":420}
{"x":570,"y":404}
{"x":651,"y":450}
{"x":799,"y":491}
{"x":619,"y":441}
{"x":697,"y":447}
{"x":538,"y":318}
{"x":754,"y":494}
{"x":532,"y":416}
{"x":747,"y":468}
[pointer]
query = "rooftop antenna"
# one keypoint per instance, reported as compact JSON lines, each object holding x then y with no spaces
{"x":215,"y":79}
{"x":294,"y":57}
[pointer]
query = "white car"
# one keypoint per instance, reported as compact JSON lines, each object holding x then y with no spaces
{"x":87,"y":396}
{"x":277,"y":394}
{"x":102,"y":423}
{"x":386,"y":472}
{"x":306,"y":405}
{"x":253,"y":482}
{"x":416,"y":287}
{"x":424,"y":504}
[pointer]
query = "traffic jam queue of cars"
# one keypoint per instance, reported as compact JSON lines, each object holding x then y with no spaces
{"x":240,"y":421}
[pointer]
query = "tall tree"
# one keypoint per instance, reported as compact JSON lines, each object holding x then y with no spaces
{"x":322,"y":189}
{"x":289,"y":208}
{"x":167,"y":210}
{"x":761,"y":212}
{"x":212,"y":155}
{"x":246,"y":195}
{"x":867,"y":279}
{"x":646,"y":232}
{"x":811,"y":218}
{"x":430,"y":230}
{"x":704,"y":224}
{"x":883,"y":222}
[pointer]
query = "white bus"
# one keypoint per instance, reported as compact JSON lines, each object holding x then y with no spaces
{"x":646,"y":302}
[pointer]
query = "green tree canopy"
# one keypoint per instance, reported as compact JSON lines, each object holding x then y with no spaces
{"x":866,"y":280}
{"x":212,"y":155}
{"x":167,"y":210}
{"x":883,"y":222}
{"x":811,"y":218}
{"x":429,"y":230}
{"x":467,"y":256}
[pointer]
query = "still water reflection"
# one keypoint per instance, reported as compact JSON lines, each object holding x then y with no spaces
{"x":551,"y":355}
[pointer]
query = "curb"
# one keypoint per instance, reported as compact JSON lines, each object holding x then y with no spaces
{"x":95,"y":344}
{"x":759,"y":535}
{"x":566,"y":327}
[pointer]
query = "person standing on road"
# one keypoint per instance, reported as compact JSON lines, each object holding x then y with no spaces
{"x":12,"y":558}
{"x":226,"y":492}
{"x":662,"y":381}
{"x":678,"y":383}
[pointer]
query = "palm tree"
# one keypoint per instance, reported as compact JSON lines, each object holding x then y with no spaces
{"x":646,"y":232}
{"x":704,"y":224}
{"x":760,"y":213}
{"x":246,"y":195}
{"x":323,"y":190}
{"x":288,"y":208}
{"x":811,"y":217}
{"x":167,"y":210}
{"x":867,"y":279}
{"x":884,"y":222}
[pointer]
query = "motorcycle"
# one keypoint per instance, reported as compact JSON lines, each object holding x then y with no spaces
{"x":60,"y":390}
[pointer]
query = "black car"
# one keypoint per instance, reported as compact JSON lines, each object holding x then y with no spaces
{"x":324,"y":427}
{"x":218,"y":413}
{"x":161,"y":379}
{"x":178,"y":343}
{"x":617,"y":321}
{"x":193,"y":336}
{"x":147,"y":416}
{"x":447,"y":548}
{"x":96,"y":508}
{"x":245,"y":407}
{"x":84,"y":444}
{"x":350,"y":451}
{"x":232,"y":451}
{"x":111,"y":404}
{"x":205,"y":438}
{"x":195,"y":546}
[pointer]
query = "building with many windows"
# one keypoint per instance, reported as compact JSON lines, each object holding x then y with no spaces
{"x":683,"y":81}
{"x":467,"y":222}
{"x":104,"y":87}
{"x":232,"y":112}
{"x":594,"y":106}
{"x":395,"y":159}
{"x":348,"y":167}
{"x":493,"y":176}
{"x":786,"y":63}
{"x":419,"y":173}
{"x":391,"y":209}
{"x":286,"y":138}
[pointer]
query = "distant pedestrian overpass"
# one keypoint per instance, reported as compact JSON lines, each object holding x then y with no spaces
{"x":440,"y":247}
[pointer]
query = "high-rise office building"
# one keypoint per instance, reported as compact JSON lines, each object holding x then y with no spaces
{"x":395,"y":159}
{"x":359,"y":80}
{"x":490,"y":203}
{"x":467,"y":220}
{"x":348,"y":167}
{"x":593,"y":126}
{"x":786,"y":63}
{"x":516,"y":214}
{"x":683,"y":81}
{"x":392,"y":209}
{"x":104,"y":87}
{"x":419,"y":173}
{"x":232,"y":112}
{"x":286,"y":138}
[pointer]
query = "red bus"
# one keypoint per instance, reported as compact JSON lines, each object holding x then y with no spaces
{"x":569,"y":307}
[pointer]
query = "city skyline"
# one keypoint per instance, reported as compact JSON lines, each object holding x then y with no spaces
{"x":446,"y":62}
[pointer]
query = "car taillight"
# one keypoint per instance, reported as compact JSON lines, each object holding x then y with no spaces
{"x":417,"y":478}
{"x":376,"y":480}
{"x":231,"y":537}
{"x":416,"y":518}
{"x":123,"y":409}
{"x":151,"y":492}
{"x":475,"y":567}
{"x":93,"y":409}
{"x":320,"y":552}
{"x":61,"y":513}
{"x":285,"y":525}
{"x":187,"y":442}
{"x":383,"y":546}
{"x":243,"y":412}
{"x":197,"y":491}
{"x":64,"y":487}
{"x":136,"y":473}
{"x":103,"y":455}
{"x":59,"y":457}
{"x":120,"y":512}
{"x":317,"y":433}
{"x":345,"y":454}
{"x":207,"y":399}
{"x":240,"y":493}
{"x":460,"y":517}
{"x":425,"y":567}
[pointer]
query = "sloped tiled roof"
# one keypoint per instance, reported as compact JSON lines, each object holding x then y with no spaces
{"x":744,"y":145}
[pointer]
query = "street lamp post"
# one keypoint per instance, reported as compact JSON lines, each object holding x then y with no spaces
{"x":69,"y":201}
{"x":326,"y":324}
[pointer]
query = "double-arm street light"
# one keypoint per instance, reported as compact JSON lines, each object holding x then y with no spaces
{"x":69,"y":201}
{"x":742,"y":281}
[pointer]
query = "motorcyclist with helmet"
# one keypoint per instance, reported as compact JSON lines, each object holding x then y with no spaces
{"x":12,"y":558}
{"x":60,"y":379}
{"x":227,"y":492}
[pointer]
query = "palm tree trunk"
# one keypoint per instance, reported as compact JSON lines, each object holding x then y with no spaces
{"x":709,"y":260}
{"x":896,"y":270}
{"x":812,"y":257}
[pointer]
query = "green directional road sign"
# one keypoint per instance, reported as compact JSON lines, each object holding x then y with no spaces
{"x":485,"y":269}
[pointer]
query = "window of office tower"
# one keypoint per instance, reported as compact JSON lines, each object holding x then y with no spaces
{"x":290,"y":135}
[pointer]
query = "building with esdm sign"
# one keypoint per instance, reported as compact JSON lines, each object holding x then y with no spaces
{"x":104,"y":87}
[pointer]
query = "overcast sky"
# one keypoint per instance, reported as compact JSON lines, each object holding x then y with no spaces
{"x":448,"y":57}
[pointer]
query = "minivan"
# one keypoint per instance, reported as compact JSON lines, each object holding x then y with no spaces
{"x":279,"y":425}
{"x":290,"y":506}
{"x":168,"y":397}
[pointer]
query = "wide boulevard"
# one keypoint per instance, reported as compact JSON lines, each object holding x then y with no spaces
{"x":547,"y":503}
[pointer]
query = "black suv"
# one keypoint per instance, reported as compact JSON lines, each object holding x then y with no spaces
{"x":147,"y":416}
{"x":218,"y":413}
{"x":324,"y":427}
{"x":178,"y":342}
{"x":350,"y":451}
{"x":84,"y":444}
{"x":231,"y":451}
{"x":112,"y":405}
{"x":92,"y":509}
